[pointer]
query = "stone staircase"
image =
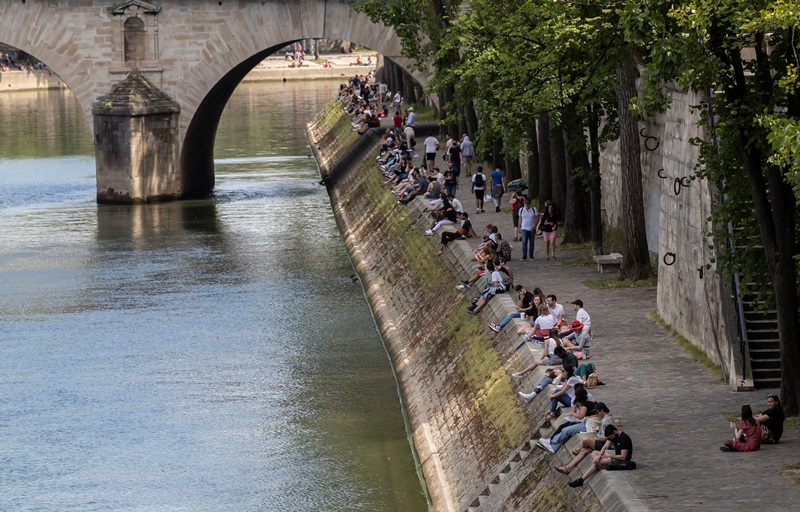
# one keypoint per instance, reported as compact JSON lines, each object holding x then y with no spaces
{"x":763,"y":341}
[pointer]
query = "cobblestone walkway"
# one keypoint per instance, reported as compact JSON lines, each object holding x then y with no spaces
{"x":670,"y":406}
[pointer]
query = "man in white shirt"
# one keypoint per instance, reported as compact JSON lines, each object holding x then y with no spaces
{"x":431,"y":145}
{"x":528,"y":218}
{"x":582,"y":315}
{"x":557,"y":310}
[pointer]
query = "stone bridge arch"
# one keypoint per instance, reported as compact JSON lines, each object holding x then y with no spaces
{"x":196,"y":52}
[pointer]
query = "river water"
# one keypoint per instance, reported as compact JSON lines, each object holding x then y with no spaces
{"x":194,"y":356}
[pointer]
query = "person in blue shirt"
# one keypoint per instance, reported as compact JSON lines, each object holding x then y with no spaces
{"x":498,"y":187}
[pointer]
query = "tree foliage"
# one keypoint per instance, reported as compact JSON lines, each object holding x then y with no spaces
{"x":744,"y":56}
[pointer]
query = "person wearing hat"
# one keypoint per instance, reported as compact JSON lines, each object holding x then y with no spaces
{"x":577,"y":338}
{"x":411,"y":117}
{"x":621,"y":459}
{"x":528,"y":218}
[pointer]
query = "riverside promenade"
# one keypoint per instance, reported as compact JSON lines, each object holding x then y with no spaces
{"x":671,"y":406}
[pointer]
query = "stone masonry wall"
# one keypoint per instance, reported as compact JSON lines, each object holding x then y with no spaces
{"x":473,"y":437}
{"x":694,"y":302}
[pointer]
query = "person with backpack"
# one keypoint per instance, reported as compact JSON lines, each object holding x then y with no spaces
{"x":479,"y":188}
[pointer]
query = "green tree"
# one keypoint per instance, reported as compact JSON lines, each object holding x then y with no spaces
{"x":745,"y":57}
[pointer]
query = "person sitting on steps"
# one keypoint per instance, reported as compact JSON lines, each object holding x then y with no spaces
{"x":494,"y":287}
{"x":524,"y":307}
{"x":620,"y":459}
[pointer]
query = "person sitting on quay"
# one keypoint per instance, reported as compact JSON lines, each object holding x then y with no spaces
{"x":486,"y":252}
{"x":550,"y":376}
{"x":582,"y":316}
{"x":502,"y":266}
{"x":407,"y":184}
{"x":464,"y":231}
{"x":557,"y":310}
{"x":619,"y":460}
{"x":539,"y":328}
{"x":566,"y":393}
{"x":746,"y":435}
{"x":447,"y":215}
{"x":772,"y":420}
{"x":503,"y":249}
{"x":549,"y":355}
{"x":419,"y":189}
{"x":524,"y":307}
{"x":577,"y":339}
{"x":455,"y":202}
{"x":537,"y":302}
{"x":494,"y":287}
{"x":596,"y":426}
{"x":583,"y":408}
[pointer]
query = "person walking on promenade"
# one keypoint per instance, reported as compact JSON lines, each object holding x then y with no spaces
{"x":467,"y":154}
{"x":479,"y":188}
{"x":431,"y":146}
{"x":498,"y":187}
{"x":528,"y":217}
{"x":548,"y":225}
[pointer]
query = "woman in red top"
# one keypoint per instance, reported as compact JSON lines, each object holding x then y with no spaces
{"x":746,"y":436}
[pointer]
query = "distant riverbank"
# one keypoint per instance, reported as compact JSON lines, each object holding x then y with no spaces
{"x":274,"y":68}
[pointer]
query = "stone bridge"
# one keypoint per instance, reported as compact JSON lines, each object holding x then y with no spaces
{"x":172,"y":65}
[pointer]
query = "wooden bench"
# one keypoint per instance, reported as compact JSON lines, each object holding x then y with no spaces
{"x":602,"y":260}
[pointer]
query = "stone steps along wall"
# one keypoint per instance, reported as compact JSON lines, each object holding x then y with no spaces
{"x":695,"y":303}
{"x":472,"y":435}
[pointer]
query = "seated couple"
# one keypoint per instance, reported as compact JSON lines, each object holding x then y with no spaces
{"x":753,"y":430}
{"x":480,"y":271}
{"x":587,"y":415}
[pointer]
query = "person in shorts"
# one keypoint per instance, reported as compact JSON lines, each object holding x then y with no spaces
{"x":479,"y":188}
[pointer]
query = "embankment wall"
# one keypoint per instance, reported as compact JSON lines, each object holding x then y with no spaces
{"x":693,"y":299}
{"x":11,"y":81}
{"x":473,"y":437}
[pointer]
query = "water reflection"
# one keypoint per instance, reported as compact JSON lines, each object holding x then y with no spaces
{"x":203,"y":355}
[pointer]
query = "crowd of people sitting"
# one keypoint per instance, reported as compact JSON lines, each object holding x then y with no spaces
{"x":569,"y":376}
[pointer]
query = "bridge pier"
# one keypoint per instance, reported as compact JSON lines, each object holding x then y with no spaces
{"x":136,"y":140}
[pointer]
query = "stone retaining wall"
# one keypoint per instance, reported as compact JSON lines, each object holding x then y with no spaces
{"x":11,"y":81}
{"x":694,"y":300}
{"x":473,"y":437}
